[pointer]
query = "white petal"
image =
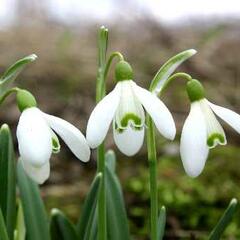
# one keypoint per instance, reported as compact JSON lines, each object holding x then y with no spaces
{"x":37,"y":174}
{"x":130,"y":110}
{"x":193,"y":145}
{"x":129,"y":141}
{"x":158,"y":111}
{"x":229,"y":116}
{"x":215,"y":132}
{"x":34,"y":137}
{"x":101,"y":118}
{"x":70,"y":135}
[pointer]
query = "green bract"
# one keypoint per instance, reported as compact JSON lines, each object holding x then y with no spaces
{"x":195,"y":90}
{"x":123,"y":71}
{"x":25,"y":100}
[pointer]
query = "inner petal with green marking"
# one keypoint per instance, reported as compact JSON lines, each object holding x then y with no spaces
{"x":215,"y":132}
{"x":130,"y":111}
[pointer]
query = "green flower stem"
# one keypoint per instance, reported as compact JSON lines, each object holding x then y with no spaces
{"x":100,"y":92}
{"x":9,"y":92}
{"x":152,"y":159}
{"x":109,"y":62}
{"x":103,"y":69}
{"x":180,"y":75}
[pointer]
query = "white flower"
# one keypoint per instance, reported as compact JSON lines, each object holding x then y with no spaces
{"x":124,"y":106}
{"x":202,"y":131}
{"x":36,"y":141}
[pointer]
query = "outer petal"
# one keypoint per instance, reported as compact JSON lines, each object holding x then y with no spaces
{"x":70,"y":135}
{"x":34,"y":137}
{"x":229,"y":116}
{"x":158,"y":111}
{"x":193,"y":144}
{"x":129,"y":141}
{"x":101,"y":118}
{"x":38,"y":174}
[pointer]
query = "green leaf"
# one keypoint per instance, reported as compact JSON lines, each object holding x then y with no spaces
{"x":34,"y":213}
{"x":7,"y":180}
{"x":168,"y":68}
{"x":20,"y":231}
{"x":60,"y":227}
{"x":161,"y":223}
{"x":12,"y":72}
{"x":3,"y":230}
{"x":110,"y":159}
{"x":117,"y":222}
{"x":87,"y":221}
{"x":224,"y":221}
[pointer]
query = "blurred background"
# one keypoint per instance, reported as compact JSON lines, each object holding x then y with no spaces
{"x":147,"y":32}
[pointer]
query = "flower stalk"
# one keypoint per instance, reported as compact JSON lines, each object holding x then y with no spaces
{"x":152,"y":159}
{"x":100,"y":92}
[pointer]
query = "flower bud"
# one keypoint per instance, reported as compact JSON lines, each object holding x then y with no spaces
{"x":195,"y":90}
{"x":123,"y":71}
{"x":25,"y":100}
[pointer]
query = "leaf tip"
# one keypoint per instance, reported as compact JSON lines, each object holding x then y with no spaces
{"x":54,"y":212}
{"x":192,"y":52}
{"x":33,"y":57}
{"x":234,"y":201}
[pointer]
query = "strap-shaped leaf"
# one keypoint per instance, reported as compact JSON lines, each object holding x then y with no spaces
{"x":117,"y":222}
{"x":35,"y":217}
{"x":224,"y":221}
{"x":60,"y":227}
{"x":3,"y":229}
{"x":110,"y":159}
{"x":168,"y":68}
{"x":12,"y":72}
{"x":161,"y":223}
{"x":20,"y":231}
{"x":87,"y":221}
{"x":7,"y":180}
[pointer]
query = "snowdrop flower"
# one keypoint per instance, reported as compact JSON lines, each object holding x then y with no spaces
{"x":124,"y":107}
{"x":37,"y":140}
{"x":201,"y":130}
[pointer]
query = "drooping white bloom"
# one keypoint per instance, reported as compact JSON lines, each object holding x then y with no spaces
{"x":124,"y":107}
{"x":35,"y":134}
{"x":202,"y":131}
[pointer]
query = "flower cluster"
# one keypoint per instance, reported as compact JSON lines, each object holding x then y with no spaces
{"x":125,"y":107}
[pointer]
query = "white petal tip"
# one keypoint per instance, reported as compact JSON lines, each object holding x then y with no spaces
{"x":193,"y":174}
{"x":192,"y":51}
{"x":92,"y":144}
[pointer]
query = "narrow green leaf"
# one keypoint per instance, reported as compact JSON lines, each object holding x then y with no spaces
{"x":34,"y":213}
{"x":12,"y":72}
{"x":92,"y":228}
{"x":117,"y":221}
{"x":20,"y":231}
{"x":168,"y":68}
{"x":224,"y":221}
{"x":60,"y":227}
{"x":161,"y":223}
{"x":3,"y":230}
{"x":89,"y":209}
{"x":7,"y":180}
{"x":110,"y":159}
